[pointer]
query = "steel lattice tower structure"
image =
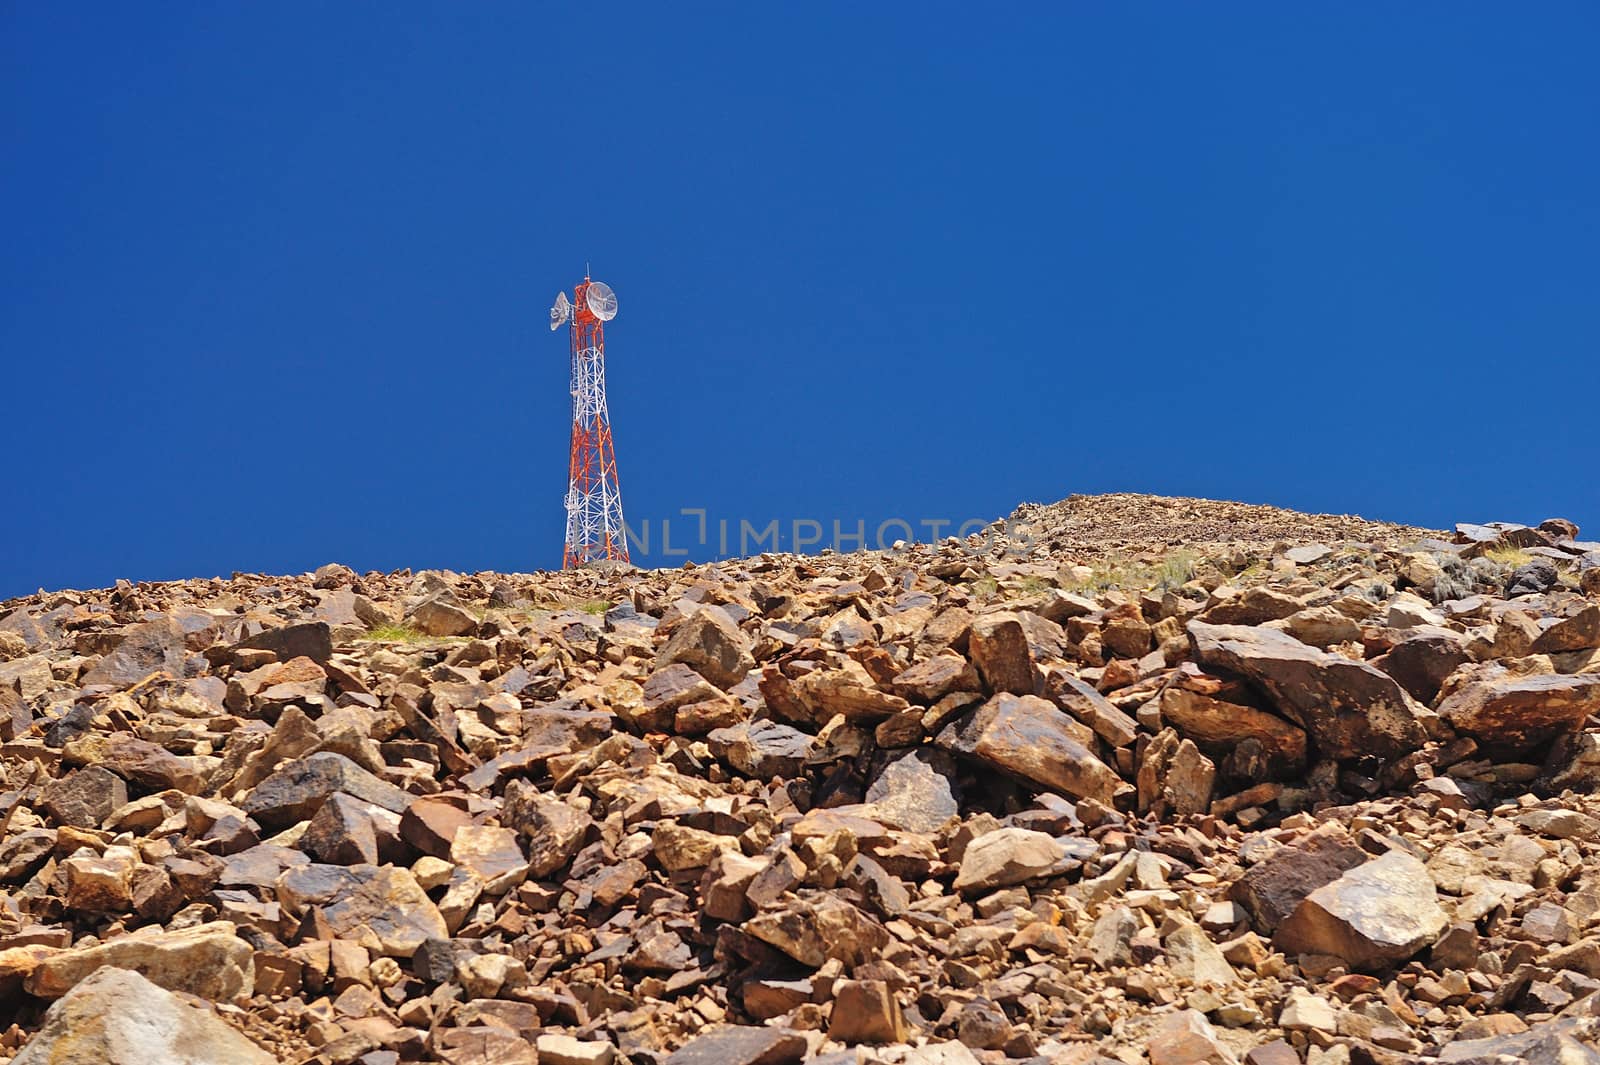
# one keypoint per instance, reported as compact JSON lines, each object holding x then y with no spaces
{"x":594,"y":498}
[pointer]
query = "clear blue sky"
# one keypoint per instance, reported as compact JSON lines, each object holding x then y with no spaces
{"x":274,"y":277}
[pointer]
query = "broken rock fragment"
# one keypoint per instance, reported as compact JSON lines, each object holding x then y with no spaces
{"x":299,"y":788}
{"x":153,"y":647}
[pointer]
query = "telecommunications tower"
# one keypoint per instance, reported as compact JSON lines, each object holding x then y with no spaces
{"x":594,"y":500}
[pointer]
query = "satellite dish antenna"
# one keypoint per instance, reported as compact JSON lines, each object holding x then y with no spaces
{"x":602,"y":301}
{"x":560,"y":311}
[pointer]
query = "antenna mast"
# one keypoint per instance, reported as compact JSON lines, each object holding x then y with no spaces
{"x":594,"y":498}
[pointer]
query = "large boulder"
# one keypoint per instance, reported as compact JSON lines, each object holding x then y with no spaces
{"x":208,"y":960}
{"x":1273,"y":889}
{"x":1510,"y":715}
{"x":117,"y":1017}
{"x":1218,"y":727}
{"x":153,"y":647}
{"x":1348,"y":708}
{"x":380,"y":907}
{"x":711,"y":644}
{"x":1379,"y":914}
{"x":1029,"y":738}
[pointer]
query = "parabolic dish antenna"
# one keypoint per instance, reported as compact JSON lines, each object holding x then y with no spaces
{"x":560,"y":311}
{"x":602,"y":301}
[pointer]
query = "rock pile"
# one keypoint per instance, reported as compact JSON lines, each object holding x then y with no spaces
{"x":1310,"y":799}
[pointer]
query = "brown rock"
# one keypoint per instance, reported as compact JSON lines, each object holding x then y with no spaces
{"x":865,"y":1011}
{"x":1029,"y":738}
{"x":915,"y":791}
{"x":1186,"y":1038}
{"x":1273,"y":889}
{"x":100,"y":883}
{"x":1277,"y":1052}
{"x":1175,"y":777}
{"x":1348,"y":708}
{"x":207,"y":960}
{"x":1423,"y":660}
{"x":341,"y":833}
{"x":379,"y":907}
{"x":932,"y":679}
{"x":117,"y":1017}
{"x":1007,"y":856}
{"x":554,"y":829}
{"x":741,"y":1045}
{"x":440,"y":615}
{"x":666,"y":690}
{"x":824,"y":928}
{"x":430,"y":822}
{"x":710,"y":643}
{"x":1378,"y":914}
{"x":1217,"y":727}
{"x":311,"y":639}
{"x":1510,"y":715}
{"x":1581,"y":632}
{"x":1085,"y":704}
{"x":1006,"y":646}
{"x":296,"y":790}
{"x":490,"y":853}
{"x":137,"y":761}
{"x":1253,"y":606}
{"x":848,"y":690}
{"x":83,"y":798}
{"x":153,"y":647}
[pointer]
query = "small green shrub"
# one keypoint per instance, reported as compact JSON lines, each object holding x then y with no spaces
{"x":396,"y":634}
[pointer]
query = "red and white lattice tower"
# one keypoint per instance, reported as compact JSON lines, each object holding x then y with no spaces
{"x":594,"y":499}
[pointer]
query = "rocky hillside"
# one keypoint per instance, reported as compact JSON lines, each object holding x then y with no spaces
{"x":1175,"y":782}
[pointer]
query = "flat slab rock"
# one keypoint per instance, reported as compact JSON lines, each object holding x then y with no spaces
{"x":741,"y":1045}
{"x":117,"y":1017}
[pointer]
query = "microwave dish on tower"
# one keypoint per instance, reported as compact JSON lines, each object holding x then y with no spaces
{"x":602,"y":301}
{"x":560,"y":311}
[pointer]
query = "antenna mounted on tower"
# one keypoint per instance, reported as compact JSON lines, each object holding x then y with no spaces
{"x":602,"y":301}
{"x":560,"y":311}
